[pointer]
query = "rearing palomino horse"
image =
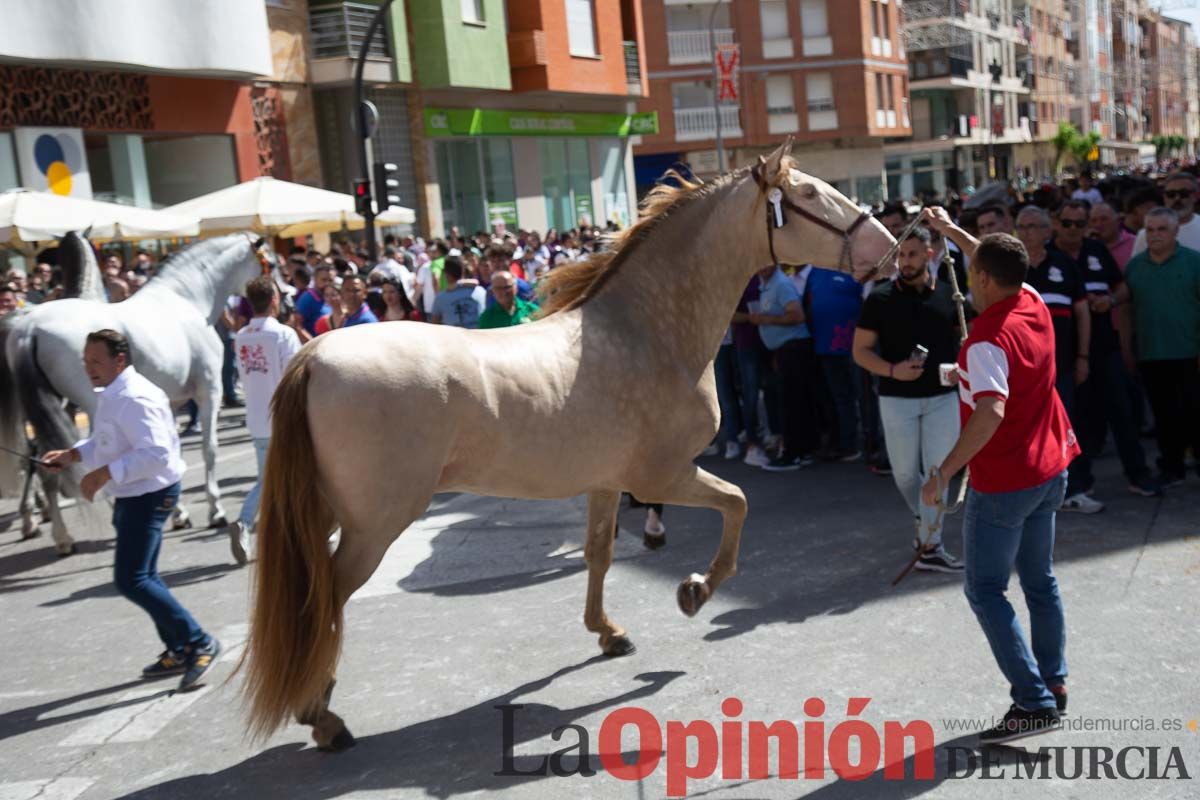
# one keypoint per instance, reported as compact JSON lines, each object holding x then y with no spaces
{"x":169,"y":325}
{"x":440,"y":409}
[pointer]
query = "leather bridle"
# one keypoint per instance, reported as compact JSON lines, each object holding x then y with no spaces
{"x":777,"y":201}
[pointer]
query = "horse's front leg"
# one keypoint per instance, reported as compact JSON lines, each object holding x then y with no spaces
{"x":698,"y":488}
{"x":598,"y":553}
{"x":209,"y":403}
{"x":63,"y":543}
{"x":29,"y":496}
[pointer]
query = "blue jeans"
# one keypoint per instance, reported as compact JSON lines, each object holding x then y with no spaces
{"x":139,"y":523}
{"x":250,"y":504}
{"x":920,"y":433}
{"x":1017,"y":528}
{"x":749,"y":365}
{"x":724,"y":370}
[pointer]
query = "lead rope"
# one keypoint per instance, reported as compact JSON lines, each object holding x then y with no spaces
{"x":942,"y":509}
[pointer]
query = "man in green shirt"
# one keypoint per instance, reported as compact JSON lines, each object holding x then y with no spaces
{"x":1160,"y":309}
{"x":508,"y":310}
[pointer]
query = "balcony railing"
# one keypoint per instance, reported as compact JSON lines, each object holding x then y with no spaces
{"x":338,"y":30}
{"x":633,"y":72}
{"x":692,"y":47}
{"x":701,"y":123}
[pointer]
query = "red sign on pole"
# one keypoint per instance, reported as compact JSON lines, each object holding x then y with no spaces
{"x":729,"y":58}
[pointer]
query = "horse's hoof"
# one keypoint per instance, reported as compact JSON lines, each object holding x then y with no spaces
{"x":693,"y":593}
{"x":218,"y":522}
{"x":69,"y":550}
{"x":31,"y":532}
{"x":620,"y":646}
{"x":653,"y":541}
{"x":343,"y":740}
{"x":182,"y":520}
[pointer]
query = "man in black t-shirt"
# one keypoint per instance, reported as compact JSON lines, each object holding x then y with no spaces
{"x":920,"y":416}
{"x":1105,"y":397}
{"x":1057,"y":278}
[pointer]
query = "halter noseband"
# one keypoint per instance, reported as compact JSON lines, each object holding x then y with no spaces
{"x":777,"y":201}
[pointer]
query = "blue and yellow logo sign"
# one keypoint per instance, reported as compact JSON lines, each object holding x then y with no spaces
{"x":58,"y":158}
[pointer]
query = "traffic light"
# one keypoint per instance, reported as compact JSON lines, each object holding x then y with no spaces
{"x":362,"y":197}
{"x":386,"y":186}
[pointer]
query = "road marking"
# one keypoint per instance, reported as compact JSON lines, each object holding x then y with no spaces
{"x":139,"y":714}
{"x":53,"y":789}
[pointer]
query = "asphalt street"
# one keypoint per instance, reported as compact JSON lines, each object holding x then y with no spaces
{"x":479,"y":605}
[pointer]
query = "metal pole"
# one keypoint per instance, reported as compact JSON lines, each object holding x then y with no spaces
{"x":363,"y":161}
{"x":712,"y":46}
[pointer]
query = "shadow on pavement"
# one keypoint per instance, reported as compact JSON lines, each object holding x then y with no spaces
{"x":444,"y":757}
{"x":173,"y":579}
{"x":33,"y":718}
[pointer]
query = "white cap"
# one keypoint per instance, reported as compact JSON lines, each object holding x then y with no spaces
{"x":454,"y":251}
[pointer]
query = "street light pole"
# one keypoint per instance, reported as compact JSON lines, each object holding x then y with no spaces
{"x":360,"y":114}
{"x":712,"y":46}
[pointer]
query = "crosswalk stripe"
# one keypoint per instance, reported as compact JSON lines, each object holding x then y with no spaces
{"x":50,"y":789}
{"x":138,"y":715}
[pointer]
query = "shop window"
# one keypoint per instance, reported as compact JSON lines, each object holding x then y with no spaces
{"x":476,"y":184}
{"x":183,"y":167}
{"x":566,"y":182}
{"x":581,"y":27}
{"x":616,"y":197}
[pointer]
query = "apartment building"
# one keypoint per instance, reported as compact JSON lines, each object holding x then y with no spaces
{"x":522,"y":111}
{"x":828,"y":72}
{"x":1046,"y":66}
{"x":966,"y":96}
{"x":1165,"y":84}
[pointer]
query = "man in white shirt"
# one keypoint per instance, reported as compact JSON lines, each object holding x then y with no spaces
{"x":1179,"y":193}
{"x":392,"y":268}
{"x":133,"y":454}
{"x":263,"y":348}
{"x":1087,"y":191}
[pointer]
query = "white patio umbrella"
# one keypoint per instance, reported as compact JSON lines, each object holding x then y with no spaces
{"x":28,"y":217}
{"x":273,"y":207}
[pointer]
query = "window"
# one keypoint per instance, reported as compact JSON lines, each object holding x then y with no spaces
{"x":814,"y":21}
{"x":616,"y":195}
{"x":472,"y":10}
{"x":566,"y":181}
{"x":885,"y":29}
{"x":777,"y":41}
{"x":880,"y":82}
{"x":781,"y":95}
{"x":819,"y":86}
{"x":581,"y":28}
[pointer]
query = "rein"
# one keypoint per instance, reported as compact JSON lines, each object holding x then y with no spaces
{"x":777,"y":201}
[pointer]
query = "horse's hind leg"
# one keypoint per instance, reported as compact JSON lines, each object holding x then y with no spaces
{"x":705,"y":490}
{"x":29,"y":526}
{"x":58,"y":527}
{"x":358,"y":555}
{"x":598,"y":553}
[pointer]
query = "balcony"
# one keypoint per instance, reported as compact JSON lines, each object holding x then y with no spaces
{"x":337,"y":32}
{"x":694,"y":124}
{"x":633,"y":70}
{"x":692,"y":47}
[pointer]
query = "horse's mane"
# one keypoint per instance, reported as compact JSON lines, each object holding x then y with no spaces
{"x":196,"y":257}
{"x":572,"y":285}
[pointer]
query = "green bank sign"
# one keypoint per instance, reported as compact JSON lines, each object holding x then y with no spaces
{"x":490,"y":122}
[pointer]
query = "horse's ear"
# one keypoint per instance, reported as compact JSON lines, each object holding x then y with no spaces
{"x":87,"y":232}
{"x":258,"y":243}
{"x":774,"y":162}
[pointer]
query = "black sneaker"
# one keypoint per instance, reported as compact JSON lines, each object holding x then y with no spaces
{"x":938,"y":560}
{"x":788,"y":463}
{"x":1019,"y":723}
{"x":1060,"y":698}
{"x":1146,"y":487}
{"x":198,"y":662}
{"x":881,"y":467}
{"x":169,"y":663}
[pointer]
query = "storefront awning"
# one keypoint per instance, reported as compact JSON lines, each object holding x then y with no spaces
{"x":27,"y":217}
{"x":494,"y":122}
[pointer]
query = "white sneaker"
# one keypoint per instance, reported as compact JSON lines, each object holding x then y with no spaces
{"x":654,"y":525}
{"x":755,"y":457}
{"x":239,"y":542}
{"x":712,"y":450}
{"x":1082,"y":504}
{"x":732,"y":451}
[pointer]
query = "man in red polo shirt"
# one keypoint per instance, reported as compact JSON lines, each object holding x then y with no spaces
{"x":1018,"y":442}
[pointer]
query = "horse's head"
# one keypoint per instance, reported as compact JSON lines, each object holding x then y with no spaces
{"x":810,"y":222}
{"x":80,"y":270}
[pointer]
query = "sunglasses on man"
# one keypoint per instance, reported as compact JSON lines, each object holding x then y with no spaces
{"x":1178,"y":194}
{"x":1073,"y":223}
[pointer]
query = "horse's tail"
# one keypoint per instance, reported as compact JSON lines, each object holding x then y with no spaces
{"x":296,"y":623}
{"x":40,"y":405}
{"x":12,"y":416}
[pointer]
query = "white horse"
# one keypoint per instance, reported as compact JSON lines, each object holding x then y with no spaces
{"x":169,"y":325}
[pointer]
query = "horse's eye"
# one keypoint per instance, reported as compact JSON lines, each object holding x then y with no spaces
{"x":808,"y":191}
